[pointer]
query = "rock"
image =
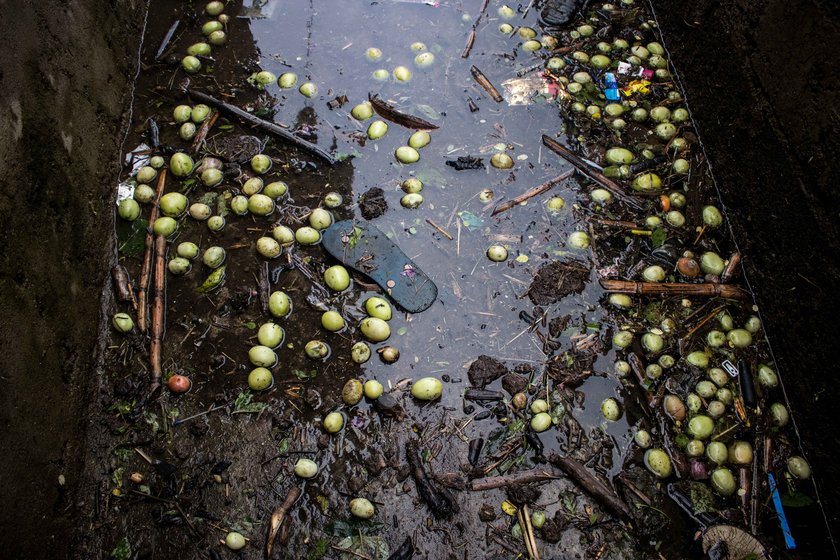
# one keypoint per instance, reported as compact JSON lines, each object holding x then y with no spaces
{"x":373,"y":204}
{"x":485,"y":370}
{"x":514,"y":383}
{"x":486,"y":513}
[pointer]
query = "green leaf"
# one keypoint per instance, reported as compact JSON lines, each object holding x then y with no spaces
{"x":796,"y":499}
{"x":470,"y":220}
{"x":429,"y":111}
{"x":323,"y":503}
{"x":122,"y":551}
{"x":216,"y":279}
{"x":318,"y":550}
{"x":657,"y":238}
{"x":431,"y":176}
{"x":344,"y":156}
{"x":208,"y":198}
{"x":304,"y":375}
{"x":131,"y":236}
{"x":243,"y":404}
{"x":374,"y":548}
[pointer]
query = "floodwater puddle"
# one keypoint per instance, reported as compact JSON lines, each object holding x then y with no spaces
{"x":225,"y":454}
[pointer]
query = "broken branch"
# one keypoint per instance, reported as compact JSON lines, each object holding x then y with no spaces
{"x":485,"y":83}
{"x":586,"y":170}
{"x":539,"y":189}
{"x":264,"y":125}
{"x":439,"y":499}
{"x":277,"y":518}
{"x":673,"y":289}
{"x":523,"y":477}
{"x":202,"y":132}
{"x":592,"y":484}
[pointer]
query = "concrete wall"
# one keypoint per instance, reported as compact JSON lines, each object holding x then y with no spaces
{"x":64,"y":74}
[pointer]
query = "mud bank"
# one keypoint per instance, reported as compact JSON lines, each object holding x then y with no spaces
{"x":65,"y":72}
{"x":760,"y":83}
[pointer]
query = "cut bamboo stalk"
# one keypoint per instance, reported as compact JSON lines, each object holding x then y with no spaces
{"x":145,"y":272}
{"x":673,"y":289}
{"x":157,"y":314}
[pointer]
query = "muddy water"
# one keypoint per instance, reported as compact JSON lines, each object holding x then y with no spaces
{"x":482,"y":306}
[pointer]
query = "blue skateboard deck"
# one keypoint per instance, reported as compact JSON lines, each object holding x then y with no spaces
{"x":363,"y":247}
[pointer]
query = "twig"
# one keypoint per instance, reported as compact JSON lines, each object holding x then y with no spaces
{"x":264,"y":125}
{"x":468,"y":47}
{"x":278,"y":516}
{"x":522,"y":477}
{"x":673,"y":288}
{"x":539,"y":189}
{"x":485,"y":83}
{"x":592,"y":484}
{"x":167,"y":501}
{"x":146,"y":270}
{"x":440,"y":229}
{"x":157,"y":314}
{"x":700,"y":324}
{"x":731,"y":267}
{"x":596,"y":176}
{"x":202,"y":132}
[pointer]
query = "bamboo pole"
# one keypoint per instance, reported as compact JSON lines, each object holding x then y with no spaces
{"x":146,"y":271}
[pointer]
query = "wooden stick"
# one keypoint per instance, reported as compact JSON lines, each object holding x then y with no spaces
{"x":277,"y":518}
{"x":202,"y":132}
{"x":592,"y":484}
{"x":157,"y":314}
{"x":520,"y":515}
{"x":440,"y":229}
{"x":485,"y":83}
{"x":146,"y":271}
{"x":529,"y":533}
{"x":469,"y":45}
{"x":539,"y":189}
{"x":584,"y":168}
{"x":616,"y":223}
{"x":522,"y":477}
{"x":264,"y":125}
{"x":673,"y":289}
{"x":731,"y":267}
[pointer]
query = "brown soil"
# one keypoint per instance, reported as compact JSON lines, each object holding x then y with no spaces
{"x":762,"y":85}
{"x":64,"y":88}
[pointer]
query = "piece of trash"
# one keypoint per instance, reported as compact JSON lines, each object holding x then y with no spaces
{"x":636,"y":86}
{"x":364,"y":248}
{"x":611,"y":91}
{"x":790,"y":544}
{"x":524,"y":91}
{"x":730,"y":368}
{"x":624,"y":68}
